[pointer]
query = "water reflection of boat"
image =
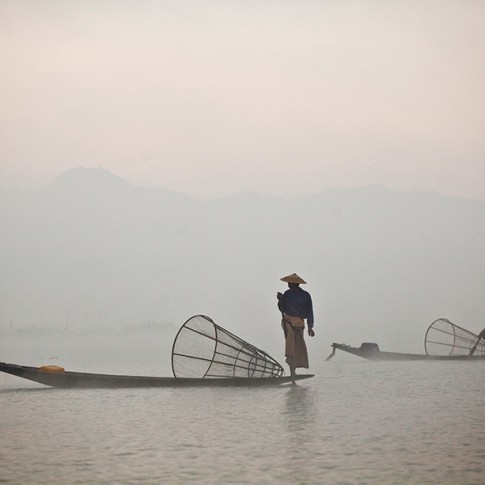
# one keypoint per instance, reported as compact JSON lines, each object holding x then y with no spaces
{"x":203,"y":354}
{"x":443,"y":341}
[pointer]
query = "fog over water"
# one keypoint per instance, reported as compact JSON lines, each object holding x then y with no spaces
{"x":98,"y":275}
{"x":91,"y":251}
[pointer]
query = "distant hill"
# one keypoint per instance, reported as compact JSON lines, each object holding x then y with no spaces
{"x":92,"y":250}
{"x":88,"y":179}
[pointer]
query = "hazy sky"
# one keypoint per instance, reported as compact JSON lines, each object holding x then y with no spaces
{"x":214,"y":97}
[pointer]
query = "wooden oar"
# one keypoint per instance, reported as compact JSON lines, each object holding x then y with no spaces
{"x":331,"y":355}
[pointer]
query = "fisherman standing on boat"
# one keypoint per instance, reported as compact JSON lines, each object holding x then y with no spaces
{"x":295,"y":305}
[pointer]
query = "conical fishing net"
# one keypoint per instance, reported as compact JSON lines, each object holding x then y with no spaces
{"x":446,"y":338}
{"x":204,"y":349}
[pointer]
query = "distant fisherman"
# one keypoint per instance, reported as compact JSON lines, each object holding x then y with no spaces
{"x":481,"y":335}
{"x":295,"y":305}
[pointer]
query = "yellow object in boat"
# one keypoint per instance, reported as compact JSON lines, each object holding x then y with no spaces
{"x":53,"y":369}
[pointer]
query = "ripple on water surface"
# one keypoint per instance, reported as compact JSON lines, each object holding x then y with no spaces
{"x":355,"y":422}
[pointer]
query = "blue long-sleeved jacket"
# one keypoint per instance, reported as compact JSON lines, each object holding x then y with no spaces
{"x":297,"y":303}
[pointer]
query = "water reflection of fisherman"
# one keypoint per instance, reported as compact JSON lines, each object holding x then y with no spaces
{"x":295,"y":305}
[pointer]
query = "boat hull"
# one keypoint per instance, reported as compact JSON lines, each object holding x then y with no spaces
{"x":378,"y":355}
{"x":77,"y":380}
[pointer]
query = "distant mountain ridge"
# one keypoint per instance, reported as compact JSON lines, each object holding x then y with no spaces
{"x":92,"y":249}
{"x":99,"y":179}
{"x":88,"y":179}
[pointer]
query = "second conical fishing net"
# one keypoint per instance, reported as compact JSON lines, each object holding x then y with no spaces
{"x":446,"y":338}
{"x":203,"y":349}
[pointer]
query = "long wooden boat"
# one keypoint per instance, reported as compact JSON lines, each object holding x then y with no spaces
{"x":204,"y":354}
{"x":370,"y":351}
{"x":57,"y":377}
{"x":443,"y":341}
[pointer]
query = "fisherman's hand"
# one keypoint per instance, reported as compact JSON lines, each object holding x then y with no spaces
{"x":311,"y":332}
{"x":279,"y":295}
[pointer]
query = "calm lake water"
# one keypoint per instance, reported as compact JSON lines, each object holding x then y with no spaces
{"x":355,"y":422}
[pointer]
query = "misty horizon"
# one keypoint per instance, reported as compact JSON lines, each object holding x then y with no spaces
{"x":83,"y":174}
{"x":91,"y":250}
{"x":240,"y":142}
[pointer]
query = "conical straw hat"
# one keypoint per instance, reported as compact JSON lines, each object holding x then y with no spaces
{"x":293,"y":278}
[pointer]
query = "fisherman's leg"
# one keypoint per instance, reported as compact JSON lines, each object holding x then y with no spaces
{"x":289,"y":344}
{"x":291,"y":364}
